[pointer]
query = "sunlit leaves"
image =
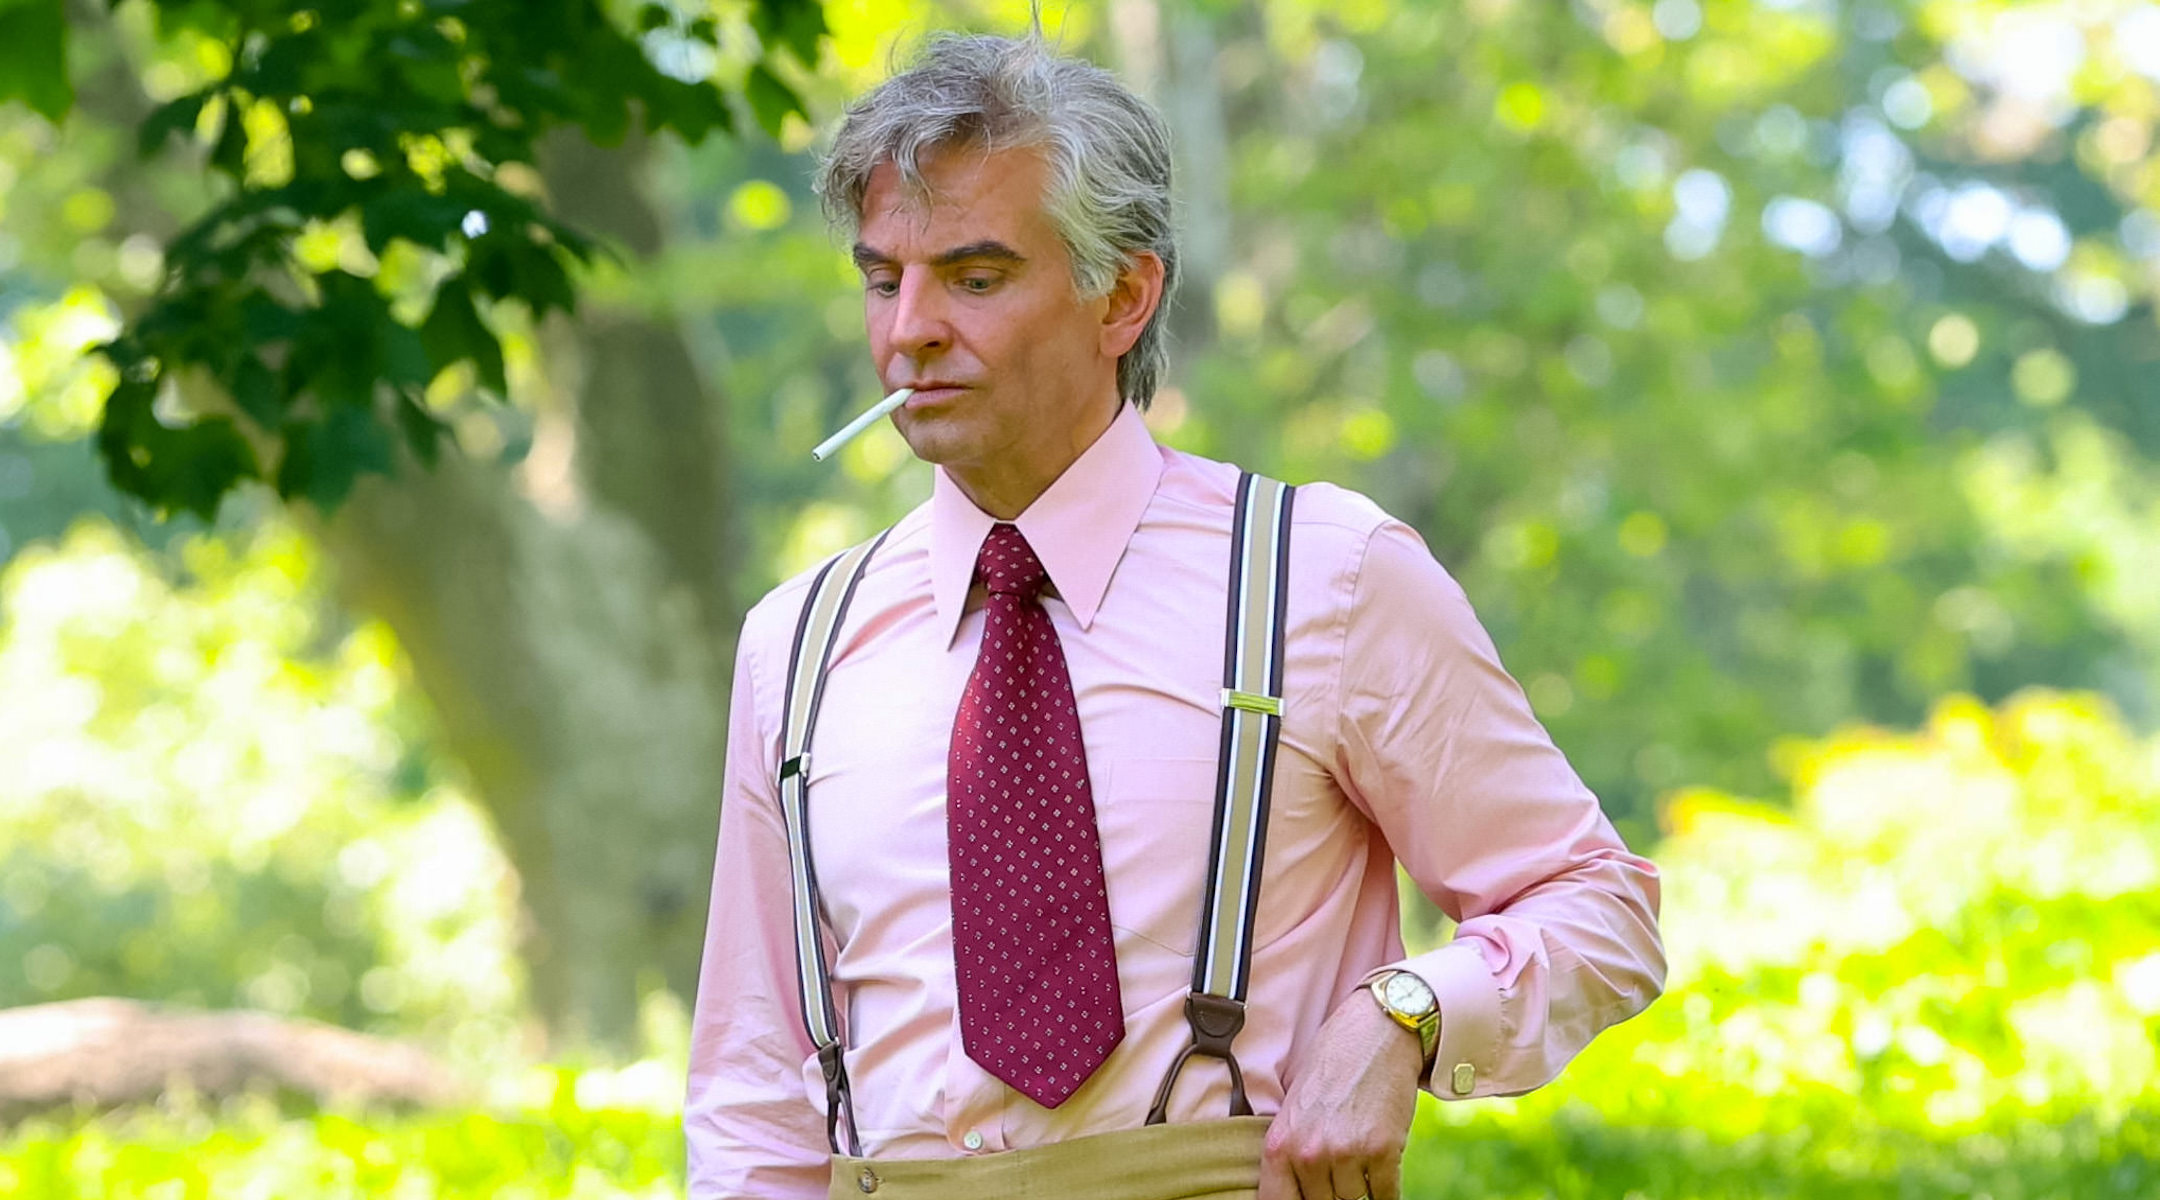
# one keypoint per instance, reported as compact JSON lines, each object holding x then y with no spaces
{"x":383,"y":123}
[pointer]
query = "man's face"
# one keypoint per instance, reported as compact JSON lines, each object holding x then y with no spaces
{"x":969,"y":299}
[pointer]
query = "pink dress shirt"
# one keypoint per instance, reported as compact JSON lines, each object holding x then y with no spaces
{"x":1403,"y":741}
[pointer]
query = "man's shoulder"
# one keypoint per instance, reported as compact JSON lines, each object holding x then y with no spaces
{"x":1320,"y":508}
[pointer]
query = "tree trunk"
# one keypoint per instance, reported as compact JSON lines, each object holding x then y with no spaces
{"x":569,"y":621}
{"x":1168,"y":53}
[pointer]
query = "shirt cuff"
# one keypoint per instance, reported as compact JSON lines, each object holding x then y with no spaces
{"x":1469,"y":1019}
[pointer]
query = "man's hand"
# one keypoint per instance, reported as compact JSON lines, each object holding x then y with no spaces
{"x":1344,"y":1122}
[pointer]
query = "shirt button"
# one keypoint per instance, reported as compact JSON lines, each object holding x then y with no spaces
{"x":973,"y":1140}
{"x":1463,"y":1079}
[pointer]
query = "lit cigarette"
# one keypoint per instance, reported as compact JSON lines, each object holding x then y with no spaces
{"x":881,"y":409}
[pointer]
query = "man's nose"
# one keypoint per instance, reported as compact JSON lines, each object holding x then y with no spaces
{"x":920,"y":318}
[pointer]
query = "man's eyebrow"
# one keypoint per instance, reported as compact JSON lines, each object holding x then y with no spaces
{"x":866,"y":256}
{"x":976,"y":251}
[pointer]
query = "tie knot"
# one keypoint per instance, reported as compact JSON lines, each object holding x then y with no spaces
{"x":1008,"y":565}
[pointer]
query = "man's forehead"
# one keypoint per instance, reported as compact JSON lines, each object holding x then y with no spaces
{"x":945,"y":178}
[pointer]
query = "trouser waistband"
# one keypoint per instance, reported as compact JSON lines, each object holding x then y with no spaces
{"x":1203,"y":1160}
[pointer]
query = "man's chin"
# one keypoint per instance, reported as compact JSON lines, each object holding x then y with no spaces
{"x":934,"y":438}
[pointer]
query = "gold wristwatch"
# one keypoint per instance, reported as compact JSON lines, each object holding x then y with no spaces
{"x":1410,"y":1001}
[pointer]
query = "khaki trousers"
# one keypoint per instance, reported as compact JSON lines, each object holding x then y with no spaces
{"x":1206,"y":1160}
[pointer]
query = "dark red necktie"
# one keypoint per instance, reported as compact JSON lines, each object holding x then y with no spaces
{"x":1036,"y":967}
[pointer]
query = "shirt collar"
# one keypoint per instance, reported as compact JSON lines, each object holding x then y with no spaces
{"x":1079,"y":527}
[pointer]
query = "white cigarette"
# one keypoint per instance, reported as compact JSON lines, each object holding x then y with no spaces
{"x":880,"y":409}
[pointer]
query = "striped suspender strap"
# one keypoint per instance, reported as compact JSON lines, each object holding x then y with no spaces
{"x":815,"y":634}
{"x":1252,"y":708}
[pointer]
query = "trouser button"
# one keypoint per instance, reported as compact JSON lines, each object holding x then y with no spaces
{"x":867,"y":1181}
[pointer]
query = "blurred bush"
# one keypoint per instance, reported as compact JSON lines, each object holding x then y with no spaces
{"x":217,"y":796}
{"x":1938,"y":974}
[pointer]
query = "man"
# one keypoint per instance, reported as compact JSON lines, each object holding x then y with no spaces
{"x":1011,"y":218}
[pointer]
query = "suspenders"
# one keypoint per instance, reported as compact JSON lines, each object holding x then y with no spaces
{"x":1251,"y":720}
{"x":1251,"y":724}
{"x":815,"y":634}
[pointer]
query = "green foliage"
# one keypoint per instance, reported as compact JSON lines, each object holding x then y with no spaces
{"x":407,"y":124}
{"x":33,"y":56}
{"x":1534,"y":276}
{"x":1824,"y":1150}
{"x":559,"y":1149}
{"x":217,"y":798}
{"x":1937,"y":974}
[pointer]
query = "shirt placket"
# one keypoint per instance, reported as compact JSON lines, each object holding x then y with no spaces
{"x":974,"y":1101}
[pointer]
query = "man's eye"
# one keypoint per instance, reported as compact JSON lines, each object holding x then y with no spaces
{"x":880,"y":287}
{"x":978,"y":284}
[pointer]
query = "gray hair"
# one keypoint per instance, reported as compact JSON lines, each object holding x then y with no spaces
{"x":1107,"y":151}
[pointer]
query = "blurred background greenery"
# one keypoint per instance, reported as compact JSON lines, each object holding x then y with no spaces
{"x":1780,"y":377}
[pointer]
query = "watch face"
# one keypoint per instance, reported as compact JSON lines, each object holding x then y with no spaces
{"x":1407,"y":993}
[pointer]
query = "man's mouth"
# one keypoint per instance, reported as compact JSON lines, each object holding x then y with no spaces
{"x":932,"y":392}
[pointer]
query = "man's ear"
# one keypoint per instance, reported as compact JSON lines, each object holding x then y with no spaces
{"x":1133,"y":299}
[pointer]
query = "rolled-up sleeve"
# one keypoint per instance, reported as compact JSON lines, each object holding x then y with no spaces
{"x":749,"y":1125}
{"x":1557,"y":933}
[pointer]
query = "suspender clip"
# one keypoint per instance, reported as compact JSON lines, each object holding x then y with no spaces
{"x":1252,"y":702}
{"x":798,"y":765}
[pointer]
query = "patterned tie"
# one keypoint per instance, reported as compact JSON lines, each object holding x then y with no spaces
{"x":1037,"y":971}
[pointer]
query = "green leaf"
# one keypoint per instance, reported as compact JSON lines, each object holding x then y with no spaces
{"x":229,"y":155}
{"x":189,"y":468}
{"x":324,"y":458}
{"x":423,"y":429}
{"x":402,"y":353}
{"x":127,"y":409}
{"x":770,"y":99}
{"x":173,"y":116}
{"x":33,"y":57}
{"x":256,"y":390}
{"x":195,"y":466}
{"x":454,"y":332}
{"x":419,"y":217}
{"x":541,"y":281}
{"x":795,"y":24}
{"x":266,"y":321}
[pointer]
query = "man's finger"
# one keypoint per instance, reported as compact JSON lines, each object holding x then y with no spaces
{"x":1346,"y":1180}
{"x":1316,"y":1180}
{"x":1384,"y":1175}
{"x":1275,"y":1180}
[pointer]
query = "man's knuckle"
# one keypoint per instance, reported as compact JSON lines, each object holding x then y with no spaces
{"x":1312,"y":1154}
